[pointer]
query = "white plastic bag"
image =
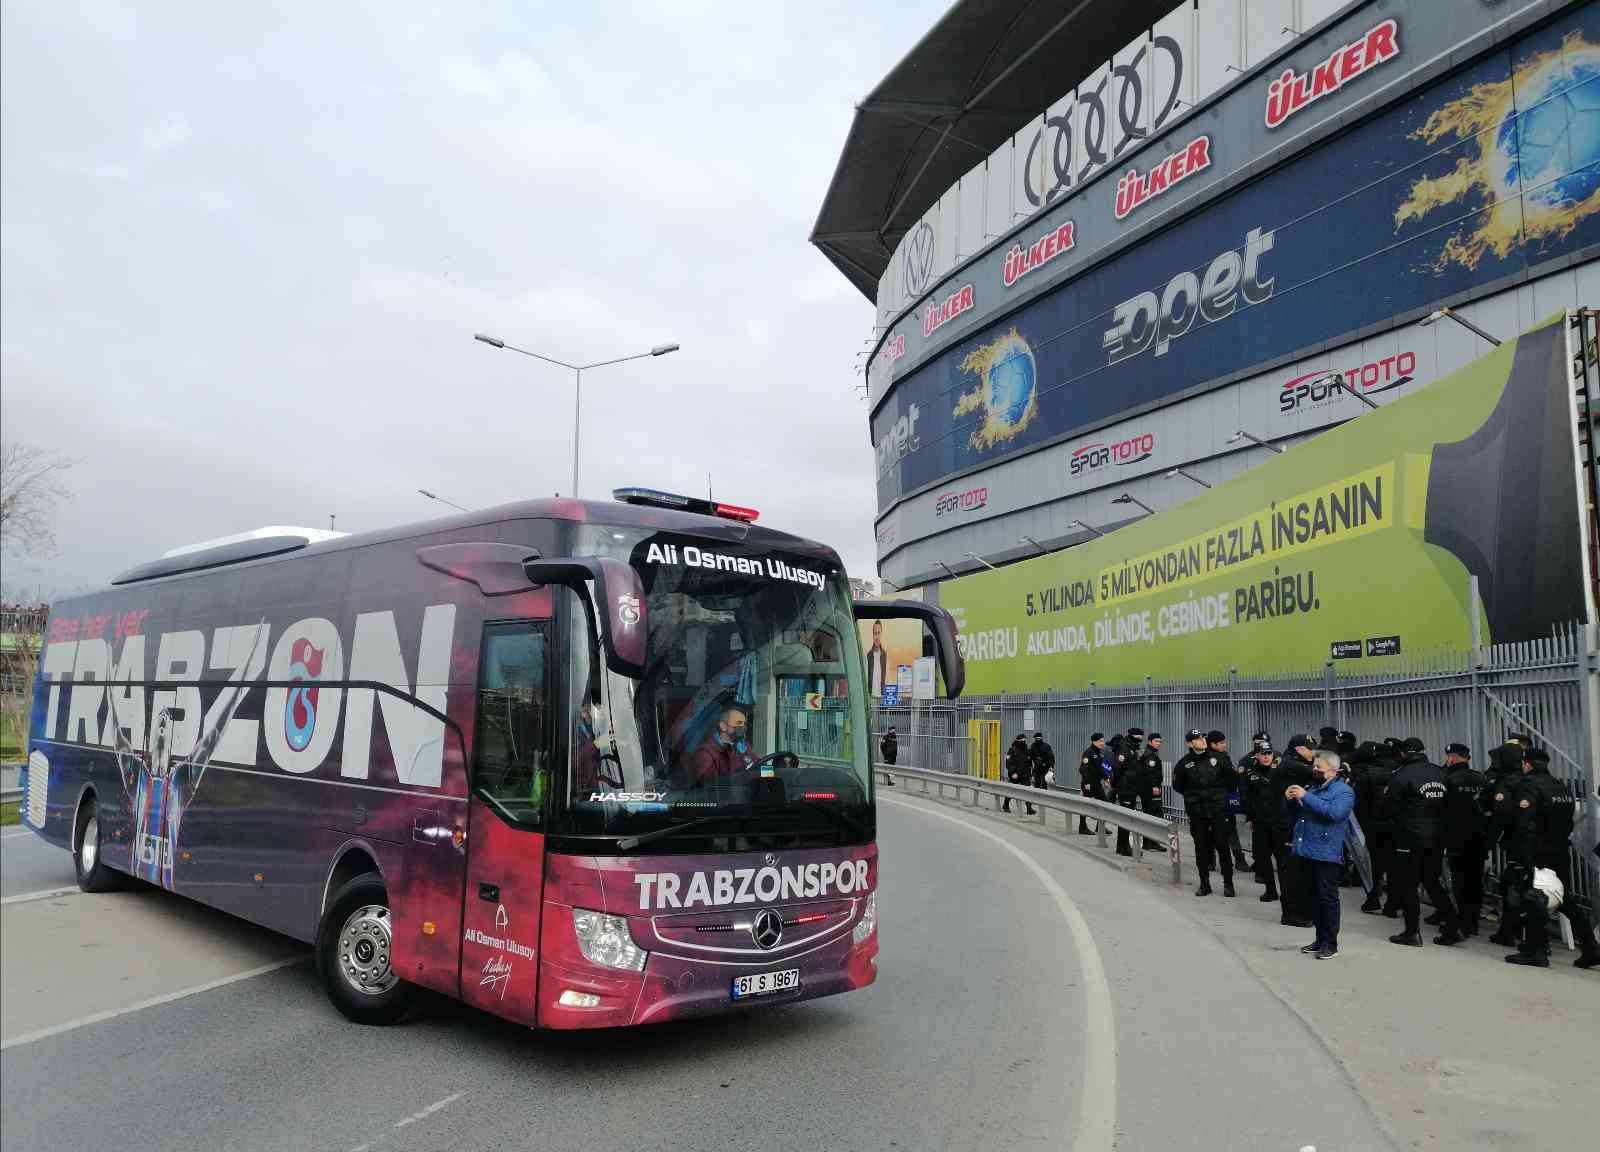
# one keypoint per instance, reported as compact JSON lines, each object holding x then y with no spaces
{"x":1549,"y":883}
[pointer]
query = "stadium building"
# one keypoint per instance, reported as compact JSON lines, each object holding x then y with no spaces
{"x":1122,"y":251}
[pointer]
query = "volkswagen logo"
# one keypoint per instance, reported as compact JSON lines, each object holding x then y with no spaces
{"x":919,"y":259}
{"x":767,"y":930}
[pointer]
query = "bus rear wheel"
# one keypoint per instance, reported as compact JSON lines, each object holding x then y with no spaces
{"x":94,"y":875}
{"x":355,"y":955}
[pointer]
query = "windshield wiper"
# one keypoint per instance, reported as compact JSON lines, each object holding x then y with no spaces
{"x":628,"y":843}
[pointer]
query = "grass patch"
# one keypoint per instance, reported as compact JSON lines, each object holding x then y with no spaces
{"x":13,"y":736}
{"x":11,"y":813}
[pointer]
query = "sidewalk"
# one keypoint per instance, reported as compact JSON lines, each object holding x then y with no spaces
{"x":1452,"y":1047}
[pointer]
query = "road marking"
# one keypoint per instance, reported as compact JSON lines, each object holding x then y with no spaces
{"x":154,"y":1001}
{"x":42,"y":894}
{"x":15,"y":833}
{"x":1097,"y":1104}
{"x":429,"y":1110}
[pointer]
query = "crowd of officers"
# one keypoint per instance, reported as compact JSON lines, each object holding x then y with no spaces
{"x":1416,"y":816}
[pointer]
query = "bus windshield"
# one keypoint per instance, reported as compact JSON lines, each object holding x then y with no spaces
{"x":750,"y":717}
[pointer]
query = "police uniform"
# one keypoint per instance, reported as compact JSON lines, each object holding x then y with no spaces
{"x":1203,"y":780}
{"x":1090,"y":773}
{"x":1127,"y":781}
{"x":1019,"y":769}
{"x":1541,"y":833}
{"x":1416,"y":807}
{"x":1294,"y":893}
{"x":1150,"y":783}
{"x":1465,"y":846}
{"x":1044,"y":759}
{"x":1374,"y":766}
{"x":1233,"y":777}
{"x":1259,"y":807}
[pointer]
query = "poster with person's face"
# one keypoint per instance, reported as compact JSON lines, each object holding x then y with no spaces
{"x":886,"y":645}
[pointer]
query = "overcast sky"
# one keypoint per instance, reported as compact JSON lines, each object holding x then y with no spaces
{"x":245,"y":247}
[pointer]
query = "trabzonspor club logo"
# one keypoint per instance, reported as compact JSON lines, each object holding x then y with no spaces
{"x":300,"y":711}
{"x":1007,"y":391}
{"x":1536,"y":167}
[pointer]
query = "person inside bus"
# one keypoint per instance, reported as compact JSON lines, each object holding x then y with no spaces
{"x":585,"y":753}
{"x":726,"y":750}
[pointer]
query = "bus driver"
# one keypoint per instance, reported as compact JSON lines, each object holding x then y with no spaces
{"x":725,"y":751}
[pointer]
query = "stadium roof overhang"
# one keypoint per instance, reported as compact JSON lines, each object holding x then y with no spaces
{"x":982,"y":72}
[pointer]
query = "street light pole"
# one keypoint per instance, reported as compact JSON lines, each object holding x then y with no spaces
{"x":1126,"y":499}
{"x":1241,"y":434}
{"x":1451,"y":314}
{"x":980,"y":560}
{"x":577,"y":383}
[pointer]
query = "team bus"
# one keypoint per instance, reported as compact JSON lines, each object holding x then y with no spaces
{"x":578,"y":763}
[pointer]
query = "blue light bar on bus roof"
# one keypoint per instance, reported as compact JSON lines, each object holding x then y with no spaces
{"x":655,"y":498}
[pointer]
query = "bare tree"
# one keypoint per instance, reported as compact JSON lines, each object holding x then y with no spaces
{"x":30,"y":488}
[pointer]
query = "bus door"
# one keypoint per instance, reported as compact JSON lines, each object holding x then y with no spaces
{"x":505,"y":841}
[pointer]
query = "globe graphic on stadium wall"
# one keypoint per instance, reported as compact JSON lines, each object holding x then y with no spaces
{"x":1558,"y":136}
{"x":1011,"y":384}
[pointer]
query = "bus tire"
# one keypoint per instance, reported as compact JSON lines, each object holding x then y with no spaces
{"x":94,"y":874}
{"x":355,"y":951}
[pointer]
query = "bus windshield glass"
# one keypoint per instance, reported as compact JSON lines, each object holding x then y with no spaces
{"x":750,"y":717}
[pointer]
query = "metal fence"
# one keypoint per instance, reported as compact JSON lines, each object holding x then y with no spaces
{"x":1546,"y":687}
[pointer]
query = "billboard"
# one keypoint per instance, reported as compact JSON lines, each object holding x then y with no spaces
{"x":1355,"y":547}
{"x":887,"y":647}
{"x":1482,"y":176}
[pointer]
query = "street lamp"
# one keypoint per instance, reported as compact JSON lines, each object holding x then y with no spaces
{"x":1451,"y":314}
{"x":442,"y":500}
{"x":1085,"y":527}
{"x":1241,"y":434}
{"x":577,"y":382}
{"x":1340,"y":382}
{"x":1126,"y":499}
{"x":980,"y":560}
{"x":1035,"y":543}
{"x":1187,"y":476}
{"x":946,"y":567}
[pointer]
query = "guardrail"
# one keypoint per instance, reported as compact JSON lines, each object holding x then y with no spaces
{"x":9,"y":794}
{"x":1069,"y":804}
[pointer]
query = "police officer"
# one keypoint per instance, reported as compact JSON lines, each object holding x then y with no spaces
{"x":1019,"y":769}
{"x":1044,"y":760}
{"x":1090,"y":773}
{"x":1150,"y":782}
{"x":1546,"y":811}
{"x":1259,"y":807}
{"x":1374,"y":766}
{"x":1416,"y":806}
{"x":1499,"y":805}
{"x":1126,"y":781}
{"x":1203,"y":781}
{"x":1218,"y":745}
{"x":1465,"y":847}
{"x":1293,"y":768}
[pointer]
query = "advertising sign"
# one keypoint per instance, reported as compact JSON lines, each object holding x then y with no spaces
{"x":924,"y":675}
{"x":1489,"y":173}
{"x":1356,"y":546}
{"x":886,"y":645}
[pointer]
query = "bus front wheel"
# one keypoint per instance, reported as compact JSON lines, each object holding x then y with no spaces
{"x":355,"y":953}
{"x":94,"y":875}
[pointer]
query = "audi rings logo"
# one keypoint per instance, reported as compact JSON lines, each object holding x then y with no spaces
{"x":919,"y":259}
{"x":767,"y":930}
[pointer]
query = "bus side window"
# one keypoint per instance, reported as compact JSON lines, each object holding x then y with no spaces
{"x":512,"y":762}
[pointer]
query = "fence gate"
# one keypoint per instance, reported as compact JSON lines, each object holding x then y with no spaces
{"x":983,"y":749}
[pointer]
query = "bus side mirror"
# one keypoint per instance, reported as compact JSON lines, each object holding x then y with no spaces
{"x":951,"y":664}
{"x":618,"y":593}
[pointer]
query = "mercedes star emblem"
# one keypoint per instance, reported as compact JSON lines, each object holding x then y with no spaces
{"x":767,"y":930}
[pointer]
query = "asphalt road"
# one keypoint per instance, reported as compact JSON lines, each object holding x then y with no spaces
{"x":1029,"y":997}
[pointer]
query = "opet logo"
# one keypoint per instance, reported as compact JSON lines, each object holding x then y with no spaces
{"x":1093,"y":457}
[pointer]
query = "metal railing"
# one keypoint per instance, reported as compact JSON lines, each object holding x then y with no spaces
{"x":1070,"y":804}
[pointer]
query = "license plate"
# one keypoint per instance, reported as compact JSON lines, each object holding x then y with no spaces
{"x":765,"y":983}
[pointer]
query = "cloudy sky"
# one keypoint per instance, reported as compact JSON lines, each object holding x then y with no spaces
{"x":245,"y":249}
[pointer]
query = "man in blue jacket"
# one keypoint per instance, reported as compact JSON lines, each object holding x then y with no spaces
{"x":1324,"y":816}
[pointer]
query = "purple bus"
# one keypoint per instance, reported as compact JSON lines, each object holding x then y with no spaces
{"x":579,"y":763}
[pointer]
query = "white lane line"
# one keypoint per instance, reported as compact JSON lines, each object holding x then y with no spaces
{"x":429,"y":1110}
{"x":15,"y":833}
{"x":154,"y":1001}
{"x":42,"y":894}
{"x":1097,"y":1104}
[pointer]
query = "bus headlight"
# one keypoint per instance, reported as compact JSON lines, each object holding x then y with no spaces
{"x":868,"y":921}
{"x":604,"y":940}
